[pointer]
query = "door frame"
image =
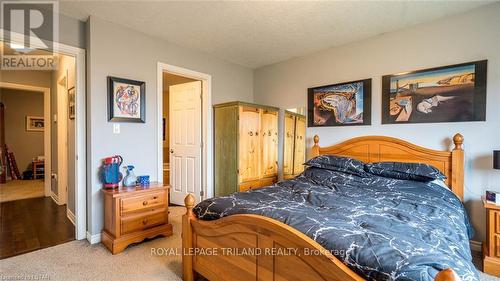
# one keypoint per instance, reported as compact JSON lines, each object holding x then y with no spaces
{"x":206,"y":123}
{"x":62,"y":138}
{"x":80,"y":216}
{"x":47,"y":130}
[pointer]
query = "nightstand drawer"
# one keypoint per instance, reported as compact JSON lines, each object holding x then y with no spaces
{"x":138,"y":223}
{"x":143,"y":202}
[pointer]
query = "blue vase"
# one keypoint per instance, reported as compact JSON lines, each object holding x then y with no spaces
{"x":130,"y":179}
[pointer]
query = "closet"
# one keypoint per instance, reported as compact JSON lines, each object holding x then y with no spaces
{"x":245,"y":146}
{"x":294,"y":146}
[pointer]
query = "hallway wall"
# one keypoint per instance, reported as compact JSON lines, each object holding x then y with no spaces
{"x":25,"y":144}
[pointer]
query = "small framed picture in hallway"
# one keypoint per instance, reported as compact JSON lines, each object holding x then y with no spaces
{"x":126,"y":100}
{"x":35,"y":124}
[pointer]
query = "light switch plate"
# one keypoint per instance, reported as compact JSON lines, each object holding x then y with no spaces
{"x":116,"y":128}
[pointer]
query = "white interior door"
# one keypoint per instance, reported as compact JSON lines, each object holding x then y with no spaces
{"x":185,"y":141}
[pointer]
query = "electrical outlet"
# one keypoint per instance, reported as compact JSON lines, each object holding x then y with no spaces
{"x":116,"y":128}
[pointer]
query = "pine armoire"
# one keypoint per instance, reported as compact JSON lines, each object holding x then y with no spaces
{"x":294,"y":144}
{"x":245,"y":146}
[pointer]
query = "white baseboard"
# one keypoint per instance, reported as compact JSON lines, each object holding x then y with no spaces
{"x":476,"y":246}
{"x":54,"y":197}
{"x":94,"y":239}
{"x":70,"y":216}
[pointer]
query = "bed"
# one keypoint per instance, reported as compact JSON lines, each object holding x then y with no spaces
{"x":249,"y":246}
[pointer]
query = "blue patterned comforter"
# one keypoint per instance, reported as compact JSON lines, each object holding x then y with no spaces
{"x":382,"y":228}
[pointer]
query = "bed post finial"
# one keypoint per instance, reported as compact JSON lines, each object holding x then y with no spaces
{"x":189,"y":203}
{"x":457,"y":166}
{"x":188,"y":274}
{"x":458,"y":139}
{"x":447,"y":275}
{"x":315,"y":148}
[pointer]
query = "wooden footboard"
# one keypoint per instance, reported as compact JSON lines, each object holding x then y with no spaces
{"x":252,"y":247}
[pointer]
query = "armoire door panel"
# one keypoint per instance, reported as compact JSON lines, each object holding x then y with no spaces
{"x":288,"y":146}
{"x":249,"y":146}
{"x":245,"y":143}
{"x":269,"y":146}
{"x":300,"y":145}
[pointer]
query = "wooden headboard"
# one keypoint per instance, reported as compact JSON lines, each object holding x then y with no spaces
{"x":379,"y":149}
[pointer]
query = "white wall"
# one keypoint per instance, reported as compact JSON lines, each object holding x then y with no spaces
{"x":114,"y":50}
{"x":66,"y":67}
{"x":466,"y":37}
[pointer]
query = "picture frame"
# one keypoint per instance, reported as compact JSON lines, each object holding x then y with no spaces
{"x":35,"y":124}
{"x":341,"y":104}
{"x":71,"y":103}
{"x":452,"y":93}
{"x":126,"y":100}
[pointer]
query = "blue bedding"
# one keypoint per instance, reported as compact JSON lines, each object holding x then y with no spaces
{"x":382,"y":228}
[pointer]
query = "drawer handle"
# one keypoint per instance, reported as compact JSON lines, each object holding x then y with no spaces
{"x":144,"y":221}
{"x":156,"y":197}
{"x":144,"y":203}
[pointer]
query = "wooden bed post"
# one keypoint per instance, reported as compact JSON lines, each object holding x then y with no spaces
{"x":188,"y":273}
{"x":447,"y":275}
{"x":315,"y":148}
{"x":457,"y":166}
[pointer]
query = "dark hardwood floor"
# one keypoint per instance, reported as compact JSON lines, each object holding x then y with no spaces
{"x":31,"y":224}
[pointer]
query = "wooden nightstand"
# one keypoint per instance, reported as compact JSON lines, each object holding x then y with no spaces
{"x":491,"y":249}
{"x":134,"y":214}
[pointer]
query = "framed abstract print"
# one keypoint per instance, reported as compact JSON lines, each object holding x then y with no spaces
{"x":343,"y":104}
{"x":455,"y":93}
{"x":126,"y":100}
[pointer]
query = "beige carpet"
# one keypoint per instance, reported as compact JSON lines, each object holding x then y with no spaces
{"x":78,"y":260}
{"x":21,"y":189}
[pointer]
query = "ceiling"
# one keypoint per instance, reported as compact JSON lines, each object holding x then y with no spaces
{"x":259,"y":33}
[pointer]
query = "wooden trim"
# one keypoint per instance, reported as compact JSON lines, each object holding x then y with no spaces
{"x":259,"y":232}
{"x":256,"y":232}
{"x":380,"y":148}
